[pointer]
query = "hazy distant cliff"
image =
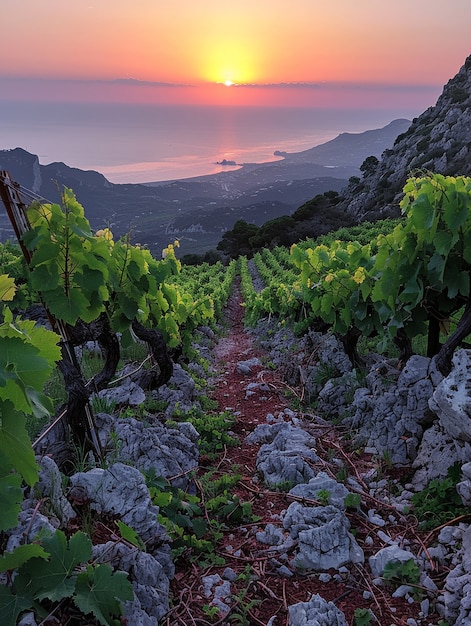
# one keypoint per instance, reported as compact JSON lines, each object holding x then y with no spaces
{"x":199,"y":210}
{"x":439,"y":140}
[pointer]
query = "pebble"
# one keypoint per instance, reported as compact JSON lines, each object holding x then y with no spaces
{"x":229,"y":574}
{"x":375,"y":519}
{"x":285,"y":571}
{"x":325,"y":578}
{"x":384,"y":537}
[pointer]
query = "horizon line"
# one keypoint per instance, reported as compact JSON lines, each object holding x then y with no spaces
{"x":136,"y":82}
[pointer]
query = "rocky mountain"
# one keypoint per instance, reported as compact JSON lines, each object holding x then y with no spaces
{"x":199,"y":210}
{"x":439,"y":140}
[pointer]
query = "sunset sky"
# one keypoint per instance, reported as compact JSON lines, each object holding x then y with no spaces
{"x":101,"y":50}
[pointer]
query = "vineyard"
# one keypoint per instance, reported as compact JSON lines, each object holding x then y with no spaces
{"x":395,"y":287}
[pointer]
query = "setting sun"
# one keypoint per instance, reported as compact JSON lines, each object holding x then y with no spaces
{"x":228,"y":83}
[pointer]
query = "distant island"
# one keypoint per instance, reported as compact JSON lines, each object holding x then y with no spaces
{"x":226,"y":162}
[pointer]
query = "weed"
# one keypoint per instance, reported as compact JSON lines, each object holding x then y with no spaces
{"x":342,"y":475}
{"x":208,"y":404}
{"x":211,"y":611}
{"x":102,"y":404}
{"x":196,"y":522}
{"x":403,"y":573}
{"x":324,"y":373}
{"x":213,"y":430}
{"x":352,"y":501}
{"x":113,"y":453}
{"x":323,"y":496}
{"x":241,"y":614}
{"x":282,"y":487}
{"x":362,"y":617}
{"x":439,"y":502}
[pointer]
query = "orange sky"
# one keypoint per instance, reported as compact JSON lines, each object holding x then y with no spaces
{"x":419,"y":43}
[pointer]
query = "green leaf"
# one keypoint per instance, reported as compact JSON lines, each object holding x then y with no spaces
{"x":456,"y":282}
{"x":11,"y":497}
{"x":100,"y":591}
{"x":44,"y":278}
{"x":24,"y":360}
{"x":68,"y":309}
{"x":130,"y":535}
{"x":21,"y":554}
{"x":444,"y":242}
{"x":41,"y":405}
{"x":15,"y":445}
{"x":55,"y":578}
{"x":7,"y":288}
{"x":456,"y":209}
{"x":11,"y":606}
{"x":422,"y":213}
{"x":436,"y":268}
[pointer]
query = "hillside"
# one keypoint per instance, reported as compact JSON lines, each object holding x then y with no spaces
{"x":439,"y":140}
{"x":199,"y":210}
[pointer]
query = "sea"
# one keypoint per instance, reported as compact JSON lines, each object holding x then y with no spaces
{"x":138,"y":143}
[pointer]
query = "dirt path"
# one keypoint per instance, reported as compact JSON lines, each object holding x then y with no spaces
{"x":261,"y":592}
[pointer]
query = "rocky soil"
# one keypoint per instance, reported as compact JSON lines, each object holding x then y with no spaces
{"x":330,"y":489}
{"x":277,"y":592}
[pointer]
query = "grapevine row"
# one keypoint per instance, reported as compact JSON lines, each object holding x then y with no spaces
{"x":405,"y":282}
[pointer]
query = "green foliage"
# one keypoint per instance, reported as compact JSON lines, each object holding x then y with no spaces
{"x":196,"y":522}
{"x":213,"y":430}
{"x":439,"y":502}
{"x":352,"y":500}
{"x":362,"y":617}
{"x":236,"y":242}
{"x":100,"y":591}
{"x":377,"y":279}
{"x":403,"y":573}
{"x":323,"y":496}
{"x":27,"y":357}
{"x":103,"y":404}
{"x":369,"y":165}
{"x":130,"y":535}
{"x":418,"y":271}
{"x":80,"y":274}
{"x":53,"y":571}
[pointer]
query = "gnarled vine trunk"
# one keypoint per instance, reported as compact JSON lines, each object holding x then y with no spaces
{"x":463,"y":329}
{"x":153,"y":378}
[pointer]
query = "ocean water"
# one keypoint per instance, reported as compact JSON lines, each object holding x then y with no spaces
{"x":132,"y":143}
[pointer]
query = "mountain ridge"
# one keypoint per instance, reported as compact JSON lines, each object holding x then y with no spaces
{"x":438,"y":140}
{"x":199,"y":210}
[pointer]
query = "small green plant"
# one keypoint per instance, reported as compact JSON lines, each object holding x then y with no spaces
{"x":243,"y":605}
{"x":324,"y":373}
{"x":439,"y":502}
{"x":352,"y":500}
{"x":196,"y":522}
{"x":212,"y":428}
{"x":208,"y":404}
{"x":342,"y":475}
{"x":211,"y":611}
{"x":282,"y":487}
{"x":102,"y":404}
{"x":56,"y":569}
{"x":403,"y":573}
{"x":323,"y":496}
{"x":362,"y":617}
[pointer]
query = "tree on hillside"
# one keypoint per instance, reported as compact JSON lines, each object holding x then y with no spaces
{"x":369,"y":165}
{"x":273,"y":233}
{"x":236,"y":242}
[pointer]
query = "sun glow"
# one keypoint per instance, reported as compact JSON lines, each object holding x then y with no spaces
{"x":228,"y":83}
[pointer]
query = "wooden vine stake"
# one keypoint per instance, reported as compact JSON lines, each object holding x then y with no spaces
{"x":79,"y":414}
